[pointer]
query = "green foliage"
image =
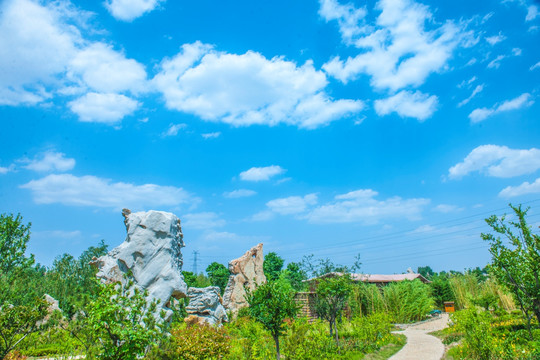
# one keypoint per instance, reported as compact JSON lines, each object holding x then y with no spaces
{"x":305,"y":341}
{"x":193,"y":343}
{"x":294,"y":275}
{"x":408,"y":301}
{"x":14,"y":237}
{"x":369,"y":333}
{"x":441,"y":290}
{"x":195,"y":280}
{"x":332,"y":295}
{"x":19,"y":321}
{"x":73,"y":281}
{"x":123,"y":322}
{"x":249,"y":340}
{"x":218,"y":275}
{"x":270,"y":304}
{"x":516,"y":261}
{"x":425,"y":271}
{"x":272,"y":265}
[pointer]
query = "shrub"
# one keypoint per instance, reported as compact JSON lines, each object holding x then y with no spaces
{"x":305,"y":341}
{"x":193,"y":343}
{"x":408,"y":300}
{"x":249,"y":340}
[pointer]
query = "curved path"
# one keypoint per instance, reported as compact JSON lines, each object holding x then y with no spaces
{"x":420,"y":345}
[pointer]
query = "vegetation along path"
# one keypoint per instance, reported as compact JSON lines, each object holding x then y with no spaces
{"x":420,"y":345}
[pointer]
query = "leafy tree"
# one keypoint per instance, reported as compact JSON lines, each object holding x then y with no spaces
{"x":195,"y":280}
{"x":332,"y":295}
{"x":218,"y":275}
{"x":123,"y":322}
{"x":441,"y":290}
{"x":294,"y":275}
{"x":14,"y":237}
{"x":516,"y":261}
{"x":17,"y":322}
{"x":425,"y":271}
{"x":272,"y":265}
{"x":270,"y":304}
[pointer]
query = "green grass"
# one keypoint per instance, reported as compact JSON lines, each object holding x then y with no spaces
{"x":388,"y":350}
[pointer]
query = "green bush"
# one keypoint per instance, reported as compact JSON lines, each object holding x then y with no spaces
{"x":304,"y":341}
{"x":370,"y":333}
{"x":193,"y":343}
{"x":408,"y":301}
{"x":249,"y":340}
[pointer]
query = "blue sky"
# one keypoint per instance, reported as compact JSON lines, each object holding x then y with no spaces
{"x":387,"y":128}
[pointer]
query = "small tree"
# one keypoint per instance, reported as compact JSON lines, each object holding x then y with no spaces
{"x":124,"y":322}
{"x":332,"y":295}
{"x":218,"y":275}
{"x":294,"y":275}
{"x":270,"y":304}
{"x":272,"y":265}
{"x":516,"y":261}
{"x":17,"y":322}
{"x":14,"y":237}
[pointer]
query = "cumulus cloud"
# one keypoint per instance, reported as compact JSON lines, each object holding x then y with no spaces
{"x":174,"y":129}
{"x":212,"y":135}
{"x":397,"y":51}
{"x":523,"y":189}
{"x":261,"y":173}
{"x":532,"y":13}
{"x":103,"y":108}
{"x":46,"y":55}
{"x":203,"y":220}
{"x":98,"y":192}
{"x":129,"y":10}
{"x":248,"y":89}
{"x":240,"y":193}
{"x":347,"y":16}
{"x":481,"y":114}
{"x":361,"y":206}
{"x":50,"y":161}
{"x":292,"y":204}
{"x":497,"y":161}
{"x":408,"y":104}
{"x":105,"y":70}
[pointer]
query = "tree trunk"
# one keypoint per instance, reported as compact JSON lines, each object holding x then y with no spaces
{"x":331,"y":328}
{"x":276,"y":339}
{"x":337,"y":338}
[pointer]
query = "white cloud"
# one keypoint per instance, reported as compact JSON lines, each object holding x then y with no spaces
{"x":248,"y":89}
{"x":497,"y":161}
{"x":475,"y":92}
{"x":212,"y":135}
{"x":35,"y":46}
{"x":97,"y":192}
{"x":128,"y":10}
{"x":5,"y":170}
{"x":360,"y":206}
{"x":445,"y":208}
{"x":522,"y":101}
{"x":292,"y":204}
{"x":107,"y":71}
{"x":50,"y":161}
{"x":174,"y":129}
{"x":397,"y":50}
{"x":240,"y":193}
{"x":405,"y":103}
{"x":535,"y":66}
{"x":492,"y":40}
{"x":523,"y":189}
{"x":203,"y":220}
{"x":532,"y":13}
{"x":261,"y":173}
{"x":103,"y":108}
{"x":516,"y":51}
{"x":495,"y":63}
{"x":57,"y":234}
{"x":347,"y":16}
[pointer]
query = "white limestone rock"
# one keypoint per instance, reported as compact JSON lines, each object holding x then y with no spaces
{"x":205,"y":306}
{"x":247,"y":272}
{"x":151,"y":256}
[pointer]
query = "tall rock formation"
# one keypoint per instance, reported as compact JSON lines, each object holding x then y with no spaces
{"x":246,"y":271}
{"x":150,"y":255}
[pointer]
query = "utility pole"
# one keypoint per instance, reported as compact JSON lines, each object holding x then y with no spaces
{"x":195,"y":253}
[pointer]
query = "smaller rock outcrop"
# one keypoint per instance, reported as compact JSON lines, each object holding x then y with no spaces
{"x":247,"y":272}
{"x":205,"y":306}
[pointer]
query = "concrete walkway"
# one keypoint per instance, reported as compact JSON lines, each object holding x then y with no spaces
{"x":420,"y":345}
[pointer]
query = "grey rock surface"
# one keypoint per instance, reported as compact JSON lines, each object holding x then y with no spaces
{"x":151,"y":255}
{"x":247,"y":271}
{"x":205,"y":304}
